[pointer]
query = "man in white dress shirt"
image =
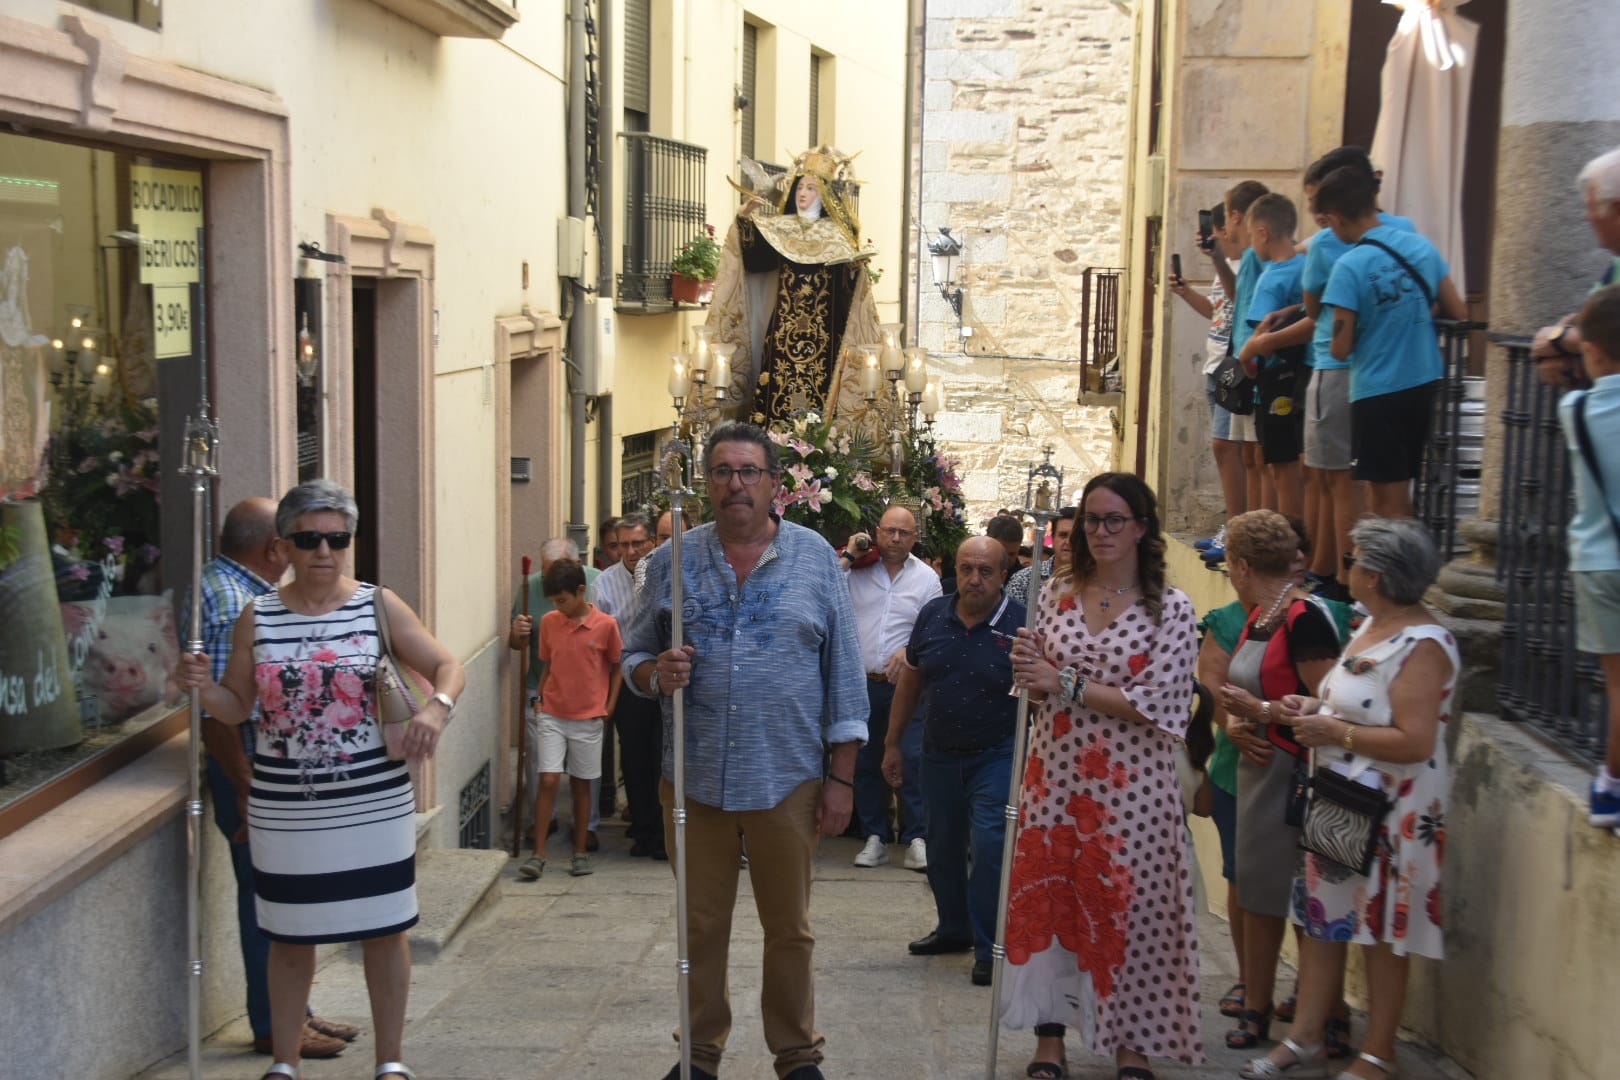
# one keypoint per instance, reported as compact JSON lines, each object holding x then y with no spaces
{"x":887,"y":595}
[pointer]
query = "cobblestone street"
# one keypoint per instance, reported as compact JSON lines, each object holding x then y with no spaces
{"x":570,"y":977}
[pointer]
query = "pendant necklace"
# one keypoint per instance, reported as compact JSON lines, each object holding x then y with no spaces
{"x":1108,"y":601}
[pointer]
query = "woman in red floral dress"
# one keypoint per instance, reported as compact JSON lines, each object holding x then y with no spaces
{"x":1101,"y":929}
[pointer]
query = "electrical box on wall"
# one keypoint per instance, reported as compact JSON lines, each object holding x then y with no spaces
{"x":599,"y":370}
{"x":570,"y":247}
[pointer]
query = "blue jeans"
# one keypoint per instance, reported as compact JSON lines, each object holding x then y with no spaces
{"x":966,"y":796}
{"x":871,"y":790}
{"x":255,"y":946}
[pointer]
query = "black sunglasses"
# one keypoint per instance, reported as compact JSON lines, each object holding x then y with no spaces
{"x":309,"y":540}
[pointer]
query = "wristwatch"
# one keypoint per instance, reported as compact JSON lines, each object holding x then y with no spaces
{"x":652,"y":682}
{"x":444,"y":699}
{"x":1557,"y":340}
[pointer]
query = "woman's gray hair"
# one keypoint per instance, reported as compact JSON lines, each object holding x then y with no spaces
{"x":314,"y":497}
{"x":558,"y":549}
{"x":1402,"y":554}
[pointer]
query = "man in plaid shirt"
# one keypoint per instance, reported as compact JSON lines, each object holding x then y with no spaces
{"x":250,"y":561}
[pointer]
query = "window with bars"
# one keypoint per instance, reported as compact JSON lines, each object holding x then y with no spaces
{"x":1099,"y":330}
{"x":749,"y":86}
{"x":638,"y":56}
{"x":663,"y":209}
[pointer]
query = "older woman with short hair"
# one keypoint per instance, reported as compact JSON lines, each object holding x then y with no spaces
{"x":331,"y":819}
{"x":1288,"y":644}
{"x":1380,"y":720}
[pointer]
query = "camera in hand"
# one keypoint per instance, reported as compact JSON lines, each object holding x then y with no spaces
{"x":860,"y":542}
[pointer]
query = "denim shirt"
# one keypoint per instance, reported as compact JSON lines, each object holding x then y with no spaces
{"x":776,"y":673}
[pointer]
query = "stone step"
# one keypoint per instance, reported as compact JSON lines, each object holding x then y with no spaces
{"x":451,"y":884}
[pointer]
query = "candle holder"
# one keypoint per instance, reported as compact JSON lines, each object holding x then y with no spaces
{"x":699,"y":387}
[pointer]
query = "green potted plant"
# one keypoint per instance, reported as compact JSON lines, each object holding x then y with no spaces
{"x":693,"y":268}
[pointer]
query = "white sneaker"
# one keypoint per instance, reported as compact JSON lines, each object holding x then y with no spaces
{"x":917,"y":855}
{"x":873,"y":854}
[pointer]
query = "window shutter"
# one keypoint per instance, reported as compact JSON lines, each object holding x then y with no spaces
{"x":815,"y":100}
{"x":638,"y":55}
{"x":750,"y":60}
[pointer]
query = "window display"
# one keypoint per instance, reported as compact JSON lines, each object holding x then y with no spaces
{"x":100,"y":253}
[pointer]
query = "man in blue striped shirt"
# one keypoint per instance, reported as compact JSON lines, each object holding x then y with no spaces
{"x":773,"y":679}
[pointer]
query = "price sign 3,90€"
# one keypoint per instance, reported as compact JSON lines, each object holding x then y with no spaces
{"x":166,"y":208}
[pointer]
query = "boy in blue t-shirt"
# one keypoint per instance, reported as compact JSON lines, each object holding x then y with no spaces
{"x":1240,"y":289}
{"x":1383,"y":293}
{"x":1594,"y":544}
{"x":1330,"y":488}
{"x":1278,"y":419}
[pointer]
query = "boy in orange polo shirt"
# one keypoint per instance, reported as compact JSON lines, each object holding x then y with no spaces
{"x":580,"y":647}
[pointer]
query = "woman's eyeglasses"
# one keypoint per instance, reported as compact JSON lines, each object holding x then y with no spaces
{"x":748,"y":474}
{"x":1110,"y":523}
{"x":309,"y":540}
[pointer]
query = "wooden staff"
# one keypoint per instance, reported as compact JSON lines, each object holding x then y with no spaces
{"x":523,"y":717}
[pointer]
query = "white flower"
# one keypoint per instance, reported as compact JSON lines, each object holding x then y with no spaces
{"x":116,"y":455}
{"x":832,"y":473}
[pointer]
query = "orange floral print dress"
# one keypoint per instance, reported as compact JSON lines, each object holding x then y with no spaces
{"x":1101,"y":927}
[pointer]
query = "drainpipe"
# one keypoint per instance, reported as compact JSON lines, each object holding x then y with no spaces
{"x":915,"y":38}
{"x":607,"y":123}
{"x":579,"y":337}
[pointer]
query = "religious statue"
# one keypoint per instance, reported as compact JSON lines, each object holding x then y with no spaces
{"x":794,"y":294}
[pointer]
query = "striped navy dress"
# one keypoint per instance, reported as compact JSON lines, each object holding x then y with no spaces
{"x":331,"y":823}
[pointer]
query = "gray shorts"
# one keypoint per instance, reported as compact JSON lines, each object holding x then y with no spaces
{"x":1597,"y":611}
{"x":1242,"y":429}
{"x":1327,"y":420}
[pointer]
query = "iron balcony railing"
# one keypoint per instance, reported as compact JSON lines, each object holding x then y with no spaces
{"x":1447,"y":488}
{"x":663,"y":209}
{"x":1545,"y":681}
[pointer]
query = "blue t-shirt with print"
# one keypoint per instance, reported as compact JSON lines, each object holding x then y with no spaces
{"x":1396,"y":346}
{"x":1277,"y":288}
{"x":1326,"y":248}
{"x":1248,"y":276}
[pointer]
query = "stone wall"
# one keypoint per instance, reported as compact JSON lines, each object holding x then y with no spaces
{"x":1023,"y":136}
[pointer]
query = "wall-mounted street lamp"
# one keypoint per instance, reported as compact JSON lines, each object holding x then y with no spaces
{"x":945,"y":253}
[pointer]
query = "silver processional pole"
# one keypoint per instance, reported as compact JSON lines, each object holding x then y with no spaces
{"x":676,"y":451}
{"x":1040,"y":503}
{"x":202,"y":465}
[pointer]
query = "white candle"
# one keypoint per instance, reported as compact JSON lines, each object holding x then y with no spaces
{"x":679,"y":382}
{"x":700,"y":349}
{"x":870,"y":378}
{"x":916,"y":370}
{"x":930,"y":399}
{"x":722,"y":372}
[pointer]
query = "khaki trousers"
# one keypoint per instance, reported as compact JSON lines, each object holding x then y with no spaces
{"x":781,"y":844}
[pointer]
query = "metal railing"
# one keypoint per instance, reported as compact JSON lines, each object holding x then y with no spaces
{"x":1545,"y":681}
{"x":1099,"y":326}
{"x":1447,"y":487}
{"x":663,"y":209}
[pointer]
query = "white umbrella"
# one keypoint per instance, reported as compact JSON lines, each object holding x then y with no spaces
{"x":1422,"y":130}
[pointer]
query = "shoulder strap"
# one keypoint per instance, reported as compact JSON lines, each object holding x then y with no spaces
{"x":1583,"y":439}
{"x":1428,"y":293}
{"x":380,"y":611}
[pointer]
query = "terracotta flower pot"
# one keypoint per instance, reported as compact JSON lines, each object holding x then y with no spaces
{"x":685,"y":290}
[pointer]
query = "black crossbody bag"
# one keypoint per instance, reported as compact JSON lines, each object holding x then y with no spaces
{"x":1428,"y":293}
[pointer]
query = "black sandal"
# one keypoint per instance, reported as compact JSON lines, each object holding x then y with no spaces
{"x":1134,"y":1072}
{"x":1047,"y":1070}
{"x":1232,"y":1003}
{"x":1241,"y":1038}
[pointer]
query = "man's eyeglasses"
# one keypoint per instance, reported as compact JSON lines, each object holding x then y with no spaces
{"x":748,"y":474}
{"x":1110,"y":523}
{"x":898,"y":534}
{"x":310,"y":540}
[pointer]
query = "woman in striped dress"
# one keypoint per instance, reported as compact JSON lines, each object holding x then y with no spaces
{"x":331,"y":825}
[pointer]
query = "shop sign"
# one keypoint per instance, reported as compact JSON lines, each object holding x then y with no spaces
{"x":166,"y":208}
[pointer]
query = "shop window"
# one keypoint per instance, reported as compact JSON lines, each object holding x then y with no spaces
{"x":99,"y":279}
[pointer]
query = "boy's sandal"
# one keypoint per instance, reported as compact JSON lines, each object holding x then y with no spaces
{"x":1336,"y":1037}
{"x":1286,"y":1007}
{"x":1047,"y":1070}
{"x":1309,"y":1061}
{"x":393,"y":1068}
{"x":281,"y":1068}
{"x":1388,"y":1067}
{"x":1232,"y":1003}
{"x":1241,"y":1038}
